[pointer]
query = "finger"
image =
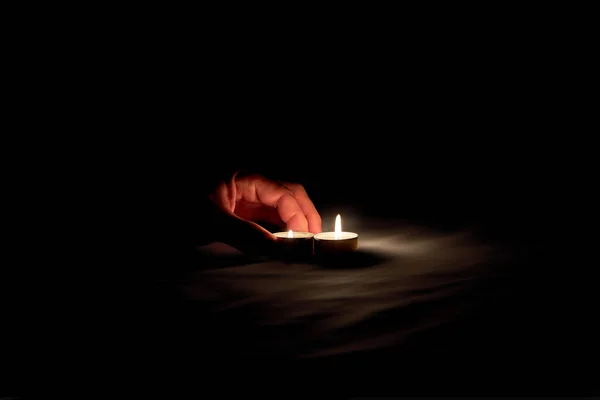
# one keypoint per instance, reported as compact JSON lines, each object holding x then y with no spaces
{"x":257,"y":189}
{"x":311,"y":213}
{"x":225,"y":195}
{"x":291,"y":213}
{"x":258,"y":213}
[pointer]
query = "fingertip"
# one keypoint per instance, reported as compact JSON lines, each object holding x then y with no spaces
{"x":315,"y":225}
{"x":298,"y":223}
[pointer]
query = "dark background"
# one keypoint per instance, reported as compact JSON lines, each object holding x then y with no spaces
{"x":458,"y":129}
{"x":443,"y":175}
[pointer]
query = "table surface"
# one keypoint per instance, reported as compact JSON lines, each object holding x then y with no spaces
{"x":435,"y":299}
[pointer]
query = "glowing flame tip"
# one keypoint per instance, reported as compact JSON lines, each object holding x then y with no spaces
{"x":290,"y":234}
{"x":338,"y":227}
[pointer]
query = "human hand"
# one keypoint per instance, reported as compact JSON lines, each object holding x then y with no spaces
{"x":245,"y":201}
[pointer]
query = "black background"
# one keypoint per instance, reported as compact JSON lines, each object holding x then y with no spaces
{"x":463,"y":130}
{"x":433,"y":163}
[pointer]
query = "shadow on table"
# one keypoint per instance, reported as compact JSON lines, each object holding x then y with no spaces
{"x":358,"y":260}
{"x":225,"y":259}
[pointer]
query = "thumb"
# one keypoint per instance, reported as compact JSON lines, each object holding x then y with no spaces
{"x":247,"y":236}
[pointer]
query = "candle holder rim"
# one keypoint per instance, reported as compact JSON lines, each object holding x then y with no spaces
{"x":282,"y":233}
{"x":355,"y":235}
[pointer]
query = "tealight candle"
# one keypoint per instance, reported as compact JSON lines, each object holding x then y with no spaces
{"x":294,"y":245}
{"x":337,"y":242}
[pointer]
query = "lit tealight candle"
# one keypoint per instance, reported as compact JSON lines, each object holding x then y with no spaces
{"x":294,"y":244}
{"x":337,"y":242}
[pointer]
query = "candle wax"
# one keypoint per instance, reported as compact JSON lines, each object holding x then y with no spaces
{"x":295,"y":235}
{"x":335,"y":236}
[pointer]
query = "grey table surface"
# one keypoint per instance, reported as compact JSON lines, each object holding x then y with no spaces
{"x":405,"y":280}
{"x":413,"y":293}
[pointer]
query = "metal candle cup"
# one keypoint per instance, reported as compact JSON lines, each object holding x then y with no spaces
{"x":294,"y":245}
{"x":337,"y":242}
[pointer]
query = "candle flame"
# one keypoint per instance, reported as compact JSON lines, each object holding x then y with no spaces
{"x":290,"y":234}
{"x":338,"y":227}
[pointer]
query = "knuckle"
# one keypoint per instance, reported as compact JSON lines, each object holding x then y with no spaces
{"x":295,"y":187}
{"x":254,"y":177}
